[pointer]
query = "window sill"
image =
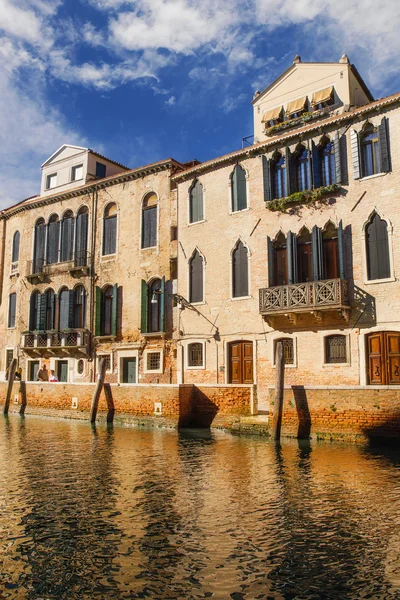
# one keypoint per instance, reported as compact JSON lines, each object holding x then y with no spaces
{"x":287,"y":366}
{"x":372,"y":176}
{"x":108,"y":257}
{"x":153,"y":372}
{"x":336,"y":365}
{"x":194,"y":368}
{"x":238,"y":212}
{"x":104,"y":338}
{"x":155,"y":334}
{"x":375,"y":281}
{"x":149,"y":248}
{"x":241,"y":298}
{"x":197,"y":222}
{"x":202,"y":303}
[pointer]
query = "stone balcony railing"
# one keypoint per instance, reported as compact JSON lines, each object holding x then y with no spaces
{"x":312,"y":296}
{"x":39,"y":268}
{"x":38,"y":342}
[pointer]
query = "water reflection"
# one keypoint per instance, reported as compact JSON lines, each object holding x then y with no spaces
{"x":119,"y":513}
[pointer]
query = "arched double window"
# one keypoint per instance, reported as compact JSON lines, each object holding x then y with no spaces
{"x":239,"y":189}
{"x":67,"y":236}
{"x":149,"y":220}
{"x":278,"y":176}
{"x":240,"y":271}
{"x":377,"y":246}
{"x":110,"y":229}
{"x":302,"y":169}
{"x":304,"y":256}
{"x":15,"y":247}
{"x":196,"y":283}
{"x":369,"y":147}
{"x":81,"y":236}
{"x":106,"y":309}
{"x":196,"y":211}
{"x":53,"y":239}
{"x":39,"y":246}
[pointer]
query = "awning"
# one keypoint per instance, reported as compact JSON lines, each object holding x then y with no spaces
{"x":296,"y":106}
{"x":272,"y":115}
{"x":322,"y":96}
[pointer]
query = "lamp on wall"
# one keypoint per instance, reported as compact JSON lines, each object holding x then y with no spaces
{"x":154,"y":298}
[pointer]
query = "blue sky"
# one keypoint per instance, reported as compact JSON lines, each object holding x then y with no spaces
{"x":142,"y":80}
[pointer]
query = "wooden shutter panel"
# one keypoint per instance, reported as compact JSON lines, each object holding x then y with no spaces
{"x":316,"y":253}
{"x":67,"y":239}
{"x":114,"y":314}
{"x":81,"y":239}
{"x":338,"y":160}
{"x":271,"y":274}
{"x":12,"y":304}
{"x":376,"y":368}
{"x":393,"y":357}
{"x":288,"y":172}
{"x":15,"y":247}
{"x":99,"y":298}
{"x":316,"y":165}
{"x":53,"y":311}
{"x":341,"y":249}
{"x":144,"y":307}
{"x":162,"y":305}
{"x":291,"y":242}
{"x":239,"y":193}
{"x":266,"y":168}
{"x":383,"y":139}
{"x":309,"y":171}
{"x":71,"y":307}
{"x":53,"y":242}
{"x":41,"y":313}
{"x":355,"y":153}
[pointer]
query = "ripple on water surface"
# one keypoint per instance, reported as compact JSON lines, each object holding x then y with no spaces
{"x":125,"y":513}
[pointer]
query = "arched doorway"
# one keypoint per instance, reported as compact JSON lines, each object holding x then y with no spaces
{"x":240,"y":362}
{"x":383,"y":358}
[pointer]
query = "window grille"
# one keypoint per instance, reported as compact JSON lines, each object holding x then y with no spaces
{"x":288,"y":350}
{"x":335,"y":349}
{"x":195,"y":355}
{"x":153,"y":361}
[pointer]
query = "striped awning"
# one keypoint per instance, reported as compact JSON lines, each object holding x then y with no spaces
{"x":296,"y":106}
{"x":272,"y":115}
{"x":322,"y":96}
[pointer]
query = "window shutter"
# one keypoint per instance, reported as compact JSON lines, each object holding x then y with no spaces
{"x":81,"y":239}
{"x":316,"y":253}
{"x":355,"y":153}
{"x":67,"y":239}
{"x":239,"y":192}
{"x":377,"y":249}
{"x":41,"y":313}
{"x":341,"y":249}
{"x":39,"y":253}
{"x":196,"y":202}
{"x":99,"y":298}
{"x":114,"y":314}
{"x":316,"y":165}
{"x":144,"y":308}
{"x":270,"y":248}
{"x":71,"y":305}
{"x":338,"y":161}
{"x":110,"y":235}
{"x":266,"y":178}
{"x":291,"y":243}
{"x":288,"y":169}
{"x":196,"y":278}
{"x":309,"y":170}
{"x":53,"y":311}
{"x":12,"y":303}
{"x":162,"y":305}
{"x":383,"y":139}
{"x":53,"y":242}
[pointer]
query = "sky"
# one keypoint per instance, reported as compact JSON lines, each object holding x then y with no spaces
{"x":144,"y":80}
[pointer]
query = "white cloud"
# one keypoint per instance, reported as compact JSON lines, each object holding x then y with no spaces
{"x":171,"y":101}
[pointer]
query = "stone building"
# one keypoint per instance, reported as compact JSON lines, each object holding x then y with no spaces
{"x":296,"y":238}
{"x":87,"y":270}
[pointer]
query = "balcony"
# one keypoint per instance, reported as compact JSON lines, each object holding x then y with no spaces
{"x":315,"y":298}
{"x":72,"y":341}
{"x":38,"y":270}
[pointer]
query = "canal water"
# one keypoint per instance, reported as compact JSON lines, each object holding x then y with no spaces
{"x":127,"y":513}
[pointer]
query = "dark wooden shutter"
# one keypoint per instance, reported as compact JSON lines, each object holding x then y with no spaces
{"x":383,"y":139}
{"x":99,"y":298}
{"x":162,"y":305}
{"x":393,"y":358}
{"x":239,"y":193}
{"x":316,"y":165}
{"x":247,"y":362}
{"x":289,"y":172}
{"x":196,"y":278}
{"x":309,"y":171}
{"x":378,"y":262}
{"x":337,"y":157}
{"x":33,"y":312}
{"x":143,"y":311}
{"x":291,"y":242}
{"x":39,"y":248}
{"x":64,"y":310}
{"x":235,"y":366}
{"x":110,"y":235}
{"x":240,"y":271}
{"x":266,"y":168}
{"x":342,"y":253}
{"x":81,"y":239}
{"x":376,"y":368}
{"x":316,"y":253}
{"x":12,"y":305}
{"x":196,"y":202}
{"x":271,"y":274}
{"x":149,"y":227}
{"x":41,"y":312}
{"x":71,"y":306}
{"x":114,"y":314}
{"x":53,"y":238}
{"x":53,"y":298}
{"x":355,"y":153}
{"x":67,"y":239}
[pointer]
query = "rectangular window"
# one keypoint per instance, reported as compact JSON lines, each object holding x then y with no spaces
{"x":335,"y":349}
{"x":195,"y":355}
{"x":149,"y":225}
{"x":33,"y":370}
{"x":77,"y":173}
{"x":100,"y":170}
{"x":288,"y":350}
{"x":110,"y":235}
{"x":12,"y":306}
{"x":51,"y":181}
{"x":107,"y":358}
{"x":153,"y":361}
{"x":9,"y":357}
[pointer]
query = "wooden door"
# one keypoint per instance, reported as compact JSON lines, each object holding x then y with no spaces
{"x":384,"y":358}
{"x":241,"y":362}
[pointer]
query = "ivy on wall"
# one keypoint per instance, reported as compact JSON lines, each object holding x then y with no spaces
{"x":305,"y":197}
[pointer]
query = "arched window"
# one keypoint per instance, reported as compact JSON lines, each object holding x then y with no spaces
{"x":34,"y":311}
{"x":330,"y":252}
{"x":240,"y":271}
{"x":304,"y":256}
{"x":53,"y":239}
{"x":15,"y":247}
{"x":280,"y":266}
{"x":327,"y":162}
{"x":378,"y":263}
{"x":67,"y":236}
{"x":196,"y":202}
{"x":278,"y":176}
{"x":39,"y":246}
{"x":81,"y":237}
{"x":196,"y":293}
{"x":79,"y":307}
{"x":239,"y":191}
{"x":154,"y":310}
{"x":302,"y":169}
{"x":110,"y":230}
{"x":107,"y":310}
{"x":369,"y":147}
{"x":12,"y":309}
{"x":65,"y":309}
{"x":50,"y":304}
{"x":149,"y":221}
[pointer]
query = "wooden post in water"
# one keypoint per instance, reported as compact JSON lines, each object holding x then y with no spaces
{"x":279,"y":388}
{"x":110,"y":403}
{"x":22,"y":388}
{"x":11,"y":375}
{"x":97,"y":391}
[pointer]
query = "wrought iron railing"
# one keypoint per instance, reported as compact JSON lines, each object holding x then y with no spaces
{"x":304,"y":296}
{"x":77,"y":338}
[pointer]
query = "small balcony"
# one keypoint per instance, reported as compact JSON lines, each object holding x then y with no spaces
{"x":55,"y":342}
{"x":38,"y":270}
{"x":314,"y":298}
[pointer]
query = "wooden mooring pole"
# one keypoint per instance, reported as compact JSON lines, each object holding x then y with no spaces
{"x":97,"y":391}
{"x":279,"y":388}
{"x":11,"y":375}
{"x":22,"y":388}
{"x":110,"y":403}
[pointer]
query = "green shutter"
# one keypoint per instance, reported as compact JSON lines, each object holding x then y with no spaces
{"x":162,"y":305}
{"x":316,"y":253}
{"x":342,"y":257}
{"x":143,"y":315}
{"x":355,"y":154}
{"x":41,"y":313}
{"x":71,"y":306}
{"x":338,"y":162}
{"x":114,"y":310}
{"x":266,"y":178}
{"x":384,"y":146}
{"x":99,"y":295}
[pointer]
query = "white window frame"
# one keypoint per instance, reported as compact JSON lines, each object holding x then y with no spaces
{"x":48,"y":179}
{"x":348,"y":356}
{"x":153,"y":351}
{"x":189,"y":223}
{"x":194,"y":368}
{"x":121,"y":354}
{"x":279,"y":336}
{"x":249,"y":295}
{"x":156,"y":247}
{"x":28,"y":368}
{"x":73,"y":168}
{"x":238,"y":212}
{"x":76,"y":372}
{"x":390,"y":249}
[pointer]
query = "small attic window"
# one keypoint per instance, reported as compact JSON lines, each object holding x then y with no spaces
{"x":295,"y":108}
{"x":77,"y":172}
{"x":322,"y":98}
{"x":51,"y":181}
{"x":100,"y":170}
{"x":271,"y":117}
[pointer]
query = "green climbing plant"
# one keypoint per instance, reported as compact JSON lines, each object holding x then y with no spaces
{"x":304,"y":197}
